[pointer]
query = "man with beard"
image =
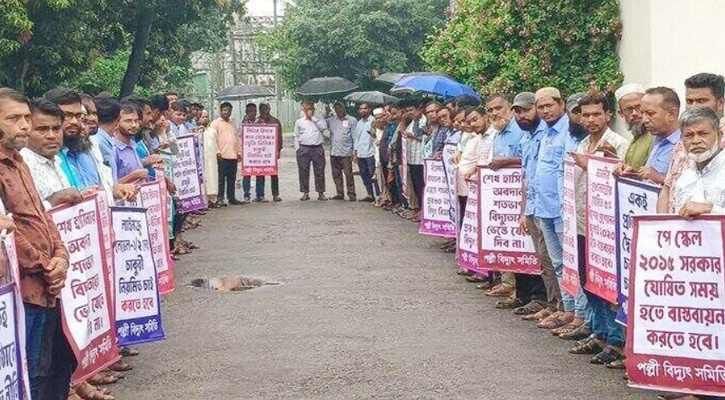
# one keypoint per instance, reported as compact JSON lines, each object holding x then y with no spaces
{"x":506,"y":153}
{"x":607,"y":340}
{"x":701,"y":90}
{"x":266,"y":117}
{"x":108,"y":109}
{"x":90,"y":119}
{"x":42,"y":257}
{"x":143,"y":136}
{"x":125,"y":162}
{"x":629,"y":100}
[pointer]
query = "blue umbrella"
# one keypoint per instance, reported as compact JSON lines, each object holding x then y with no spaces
{"x":431,"y":83}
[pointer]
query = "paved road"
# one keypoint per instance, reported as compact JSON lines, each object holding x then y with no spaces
{"x":367,"y":309}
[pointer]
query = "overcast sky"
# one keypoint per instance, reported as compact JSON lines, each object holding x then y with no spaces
{"x":263,"y":7}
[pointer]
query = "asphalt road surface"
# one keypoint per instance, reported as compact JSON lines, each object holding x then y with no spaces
{"x":366,"y":308}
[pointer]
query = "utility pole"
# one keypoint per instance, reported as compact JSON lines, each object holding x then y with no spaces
{"x":276,"y":75}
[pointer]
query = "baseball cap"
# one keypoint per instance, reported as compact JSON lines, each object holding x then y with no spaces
{"x":573,"y":101}
{"x":524,"y":100}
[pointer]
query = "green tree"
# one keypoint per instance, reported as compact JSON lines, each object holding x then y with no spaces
{"x":352,"y":38}
{"x":512,"y":46}
{"x":44,"y":43}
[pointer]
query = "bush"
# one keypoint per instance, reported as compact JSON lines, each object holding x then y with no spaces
{"x":521,"y":45}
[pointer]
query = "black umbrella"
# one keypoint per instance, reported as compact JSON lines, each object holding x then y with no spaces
{"x":326,"y":85}
{"x":389,"y":77}
{"x":374,"y":97}
{"x":242,"y":92}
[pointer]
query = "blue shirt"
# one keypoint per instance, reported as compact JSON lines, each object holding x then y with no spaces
{"x":106,"y":145}
{"x":508,"y":142}
{"x":661,"y":153}
{"x":364,"y":142}
{"x":125,"y":160}
{"x":453,"y":136}
{"x":439,"y":140}
{"x":82,"y":168}
{"x":143,"y":152}
{"x":549,"y":175}
{"x":529,"y":146}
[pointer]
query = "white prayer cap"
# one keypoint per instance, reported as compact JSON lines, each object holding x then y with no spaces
{"x":378,"y":112}
{"x":628,"y":89}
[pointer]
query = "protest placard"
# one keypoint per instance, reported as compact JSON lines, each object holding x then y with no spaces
{"x":13,"y":365}
{"x":632,"y":198}
{"x":677,"y":305}
{"x":152,"y":196}
{"x":601,"y":245}
{"x":404,"y":167}
{"x":259,"y":149}
{"x":137,"y":307}
{"x":503,"y":246}
{"x":86,"y":304}
{"x":467,"y":242}
{"x":438,"y":211}
{"x":570,"y":255}
{"x":186,"y":175}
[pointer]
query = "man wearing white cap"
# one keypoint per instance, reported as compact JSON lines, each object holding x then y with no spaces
{"x":629,"y":98}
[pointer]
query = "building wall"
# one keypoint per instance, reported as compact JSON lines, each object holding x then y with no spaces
{"x":665,"y":41}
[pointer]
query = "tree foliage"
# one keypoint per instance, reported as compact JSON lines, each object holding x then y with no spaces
{"x":44,"y":43}
{"x":352,"y":38}
{"x":512,"y":46}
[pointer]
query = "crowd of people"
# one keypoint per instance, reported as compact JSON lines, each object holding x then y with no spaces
{"x":54,"y":150}
{"x":680,"y":150}
{"x":65,"y":145}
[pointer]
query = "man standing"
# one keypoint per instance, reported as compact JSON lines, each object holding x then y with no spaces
{"x":42,"y":257}
{"x":414,"y":153}
{"x":108,"y":109}
{"x":342,"y":136}
{"x":431,"y":114}
{"x":660,"y":110}
{"x":44,"y":142}
{"x":629,"y":100}
{"x":228,"y":153}
{"x":125,"y":162}
{"x":265,"y":117}
{"x":364,"y":153}
{"x":701,"y":90}
{"x":250,"y":118}
{"x":308,"y":144}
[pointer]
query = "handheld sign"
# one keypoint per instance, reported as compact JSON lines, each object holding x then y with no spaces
{"x":467,"y":243}
{"x":186,"y":175}
{"x":259,"y":149}
{"x":570,"y":272}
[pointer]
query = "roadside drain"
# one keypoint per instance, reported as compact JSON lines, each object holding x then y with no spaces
{"x":230,"y":283}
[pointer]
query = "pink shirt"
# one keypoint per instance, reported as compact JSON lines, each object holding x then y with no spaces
{"x":227,"y":140}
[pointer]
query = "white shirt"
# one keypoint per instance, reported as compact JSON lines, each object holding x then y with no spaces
{"x":706,"y":186}
{"x":620,"y":144}
{"x":485,"y":146}
{"x":47,"y":174}
{"x":309,"y":132}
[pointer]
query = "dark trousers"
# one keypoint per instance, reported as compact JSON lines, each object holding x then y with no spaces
{"x":259,"y":185}
{"x":462,"y":200}
{"x":417,"y":179}
{"x":392,"y":187}
{"x":398,"y":183}
{"x":227,"y":176}
{"x":367,"y":171}
{"x":530,"y":288}
{"x":50,"y":359}
{"x":314,"y":155}
{"x":340,"y":165}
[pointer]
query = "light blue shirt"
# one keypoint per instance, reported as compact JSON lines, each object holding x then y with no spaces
{"x":549,"y":175}
{"x":529,"y":146}
{"x":453,"y":136}
{"x":82,"y":167}
{"x":508,"y":142}
{"x":342,"y":135}
{"x":364,"y":141}
{"x":661,"y":153}
{"x":106,"y":145}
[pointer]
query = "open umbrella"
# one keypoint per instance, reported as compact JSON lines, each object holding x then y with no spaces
{"x":326,"y":85}
{"x":389,"y":77}
{"x":374,"y":97}
{"x":431,"y":83}
{"x":242,"y":92}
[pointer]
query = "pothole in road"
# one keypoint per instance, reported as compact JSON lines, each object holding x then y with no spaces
{"x":230,"y":283}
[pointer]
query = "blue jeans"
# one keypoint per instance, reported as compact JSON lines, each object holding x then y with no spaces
{"x":258,"y":187}
{"x":50,"y":359}
{"x":601,"y":319}
{"x":367,"y":171}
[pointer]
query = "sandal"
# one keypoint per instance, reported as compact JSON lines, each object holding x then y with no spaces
{"x":538,"y":316}
{"x":129,"y":352}
{"x":590,"y":347}
{"x":508,"y":304}
{"x":582,"y":332}
{"x":568,"y":328}
{"x":606,"y":356}
{"x":551,"y":322}
{"x":532,"y":308}
{"x":89,"y":392}
{"x":502,"y":291}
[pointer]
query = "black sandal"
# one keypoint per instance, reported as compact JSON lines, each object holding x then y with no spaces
{"x":531,"y":308}
{"x":590,"y":347}
{"x":606,"y":356}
